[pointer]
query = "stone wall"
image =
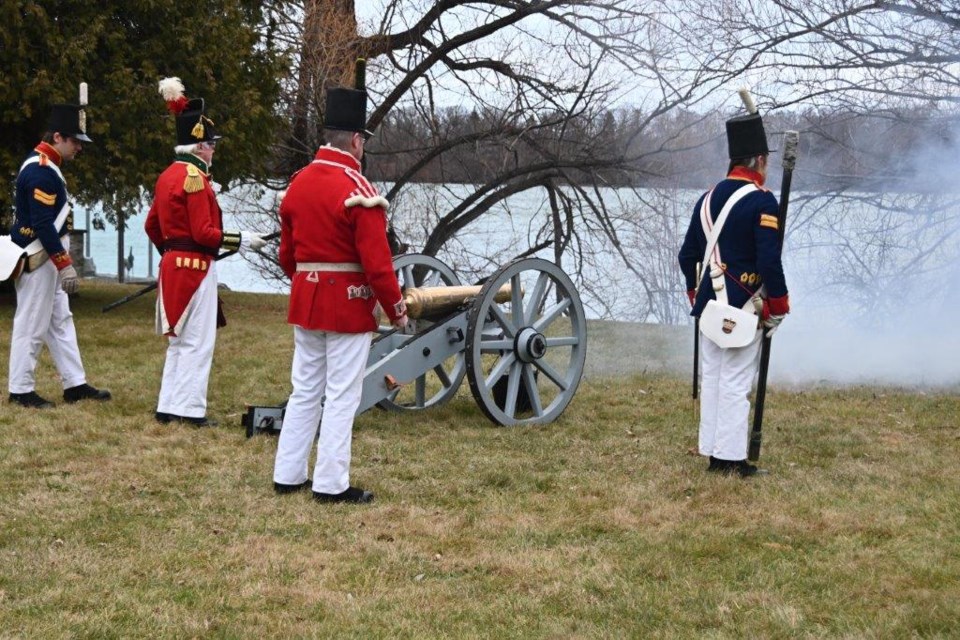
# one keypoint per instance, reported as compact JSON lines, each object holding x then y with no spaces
{"x":84,"y":266}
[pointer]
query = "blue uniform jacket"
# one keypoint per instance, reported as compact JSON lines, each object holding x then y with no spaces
{"x":40,"y":196}
{"x":749,"y":244}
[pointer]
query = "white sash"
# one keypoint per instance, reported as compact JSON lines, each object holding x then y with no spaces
{"x":726,"y":326}
{"x":711,"y":257}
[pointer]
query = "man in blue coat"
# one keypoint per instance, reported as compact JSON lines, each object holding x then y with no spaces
{"x":743,"y":270}
{"x":41,"y":227}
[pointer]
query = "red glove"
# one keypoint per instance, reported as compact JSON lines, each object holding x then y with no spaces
{"x":692,"y":294}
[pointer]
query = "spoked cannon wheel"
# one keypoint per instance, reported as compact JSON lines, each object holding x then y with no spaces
{"x":525,"y":357}
{"x":436,"y":386}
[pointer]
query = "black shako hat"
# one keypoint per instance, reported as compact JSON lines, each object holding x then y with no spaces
{"x":193,"y":126}
{"x":346,"y":110}
{"x":68,"y":120}
{"x":746,"y":137}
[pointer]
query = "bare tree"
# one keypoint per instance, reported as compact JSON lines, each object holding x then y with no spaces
{"x":871,"y":84}
{"x":511,"y":108}
{"x":544,"y":75}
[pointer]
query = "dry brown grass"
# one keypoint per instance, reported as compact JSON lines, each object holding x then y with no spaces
{"x":600,"y":525}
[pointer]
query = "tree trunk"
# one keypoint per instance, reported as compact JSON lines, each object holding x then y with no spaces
{"x":330,"y":46}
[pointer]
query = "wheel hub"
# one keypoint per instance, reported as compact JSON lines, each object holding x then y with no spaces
{"x":530,"y":345}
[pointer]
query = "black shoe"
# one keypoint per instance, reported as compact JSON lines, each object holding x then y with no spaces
{"x":741,"y":468}
{"x":745,"y":469}
{"x":352,"y":494}
{"x":279,"y":487}
{"x":31,"y":399}
{"x":85,"y":392}
{"x":166,"y":418}
{"x":718,"y":465}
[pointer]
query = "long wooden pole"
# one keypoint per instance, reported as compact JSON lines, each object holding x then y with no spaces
{"x":695,"y":393}
{"x":153,"y":285}
{"x":790,"y":143}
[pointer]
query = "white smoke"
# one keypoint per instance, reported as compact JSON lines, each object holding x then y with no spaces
{"x":873,"y":283}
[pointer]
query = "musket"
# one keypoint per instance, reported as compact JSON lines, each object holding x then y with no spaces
{"x":360,"y":75}
{"x":791,"y":140}
{"x":153,"y":285}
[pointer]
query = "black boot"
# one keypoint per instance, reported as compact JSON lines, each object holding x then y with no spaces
{"x":716,"y":464}
{"x":741,"y":468}
{"x":745,"y":469}
{"x":85,"y":392}
{"x":352,"y":494}
{"x":166,"y":418}
{"x":279,"y":487}
{"x":30,"y":399}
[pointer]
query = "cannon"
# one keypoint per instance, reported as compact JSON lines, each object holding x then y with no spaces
{"x":519,"y":337}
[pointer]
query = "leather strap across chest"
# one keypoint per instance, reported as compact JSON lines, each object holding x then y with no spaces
{"x":712,"y":229}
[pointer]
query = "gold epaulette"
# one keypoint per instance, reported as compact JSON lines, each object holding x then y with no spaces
{"x":194,"y":181}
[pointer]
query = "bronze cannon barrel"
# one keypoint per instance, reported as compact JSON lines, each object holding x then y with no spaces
{"x":425,"y":302}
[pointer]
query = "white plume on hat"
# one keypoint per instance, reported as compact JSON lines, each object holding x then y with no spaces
{"x":172,"y":91}
{"x":171,"y":88}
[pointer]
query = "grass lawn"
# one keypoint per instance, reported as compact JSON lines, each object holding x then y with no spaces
{"x":601,"y":525}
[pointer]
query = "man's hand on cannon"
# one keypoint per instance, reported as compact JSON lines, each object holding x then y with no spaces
{"x":400,"y":323}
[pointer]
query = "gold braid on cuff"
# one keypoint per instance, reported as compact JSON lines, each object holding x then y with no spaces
{"x":231,"y":240}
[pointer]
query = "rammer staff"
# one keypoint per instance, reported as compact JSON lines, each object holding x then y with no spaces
{"x":153,"y":285}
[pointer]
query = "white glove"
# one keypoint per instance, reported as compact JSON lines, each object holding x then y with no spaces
{"x":772,"y":323}
{"x":400,"y":323}
{"x":69,"y":281}
{"x":254,"y":241}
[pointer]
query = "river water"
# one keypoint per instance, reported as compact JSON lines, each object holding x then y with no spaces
{"x":847,"y":262}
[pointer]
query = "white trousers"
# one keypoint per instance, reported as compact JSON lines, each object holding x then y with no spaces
{"x":725,"y":384}
{"x":324,"y":364}
{"x":186,"y":370}
{"x":43,"y":317}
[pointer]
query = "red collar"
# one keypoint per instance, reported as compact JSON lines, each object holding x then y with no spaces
{"x":743,"y":173}
{"x":49,"y":151}
{"x":327,"y":153}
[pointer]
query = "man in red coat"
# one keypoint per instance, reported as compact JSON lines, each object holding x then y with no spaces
{"x":333,"y":246}
{"x":186,"y":225}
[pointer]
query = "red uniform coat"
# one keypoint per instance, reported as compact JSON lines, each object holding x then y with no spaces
{"x":184,"y":209}
{"x":331,"y":214}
